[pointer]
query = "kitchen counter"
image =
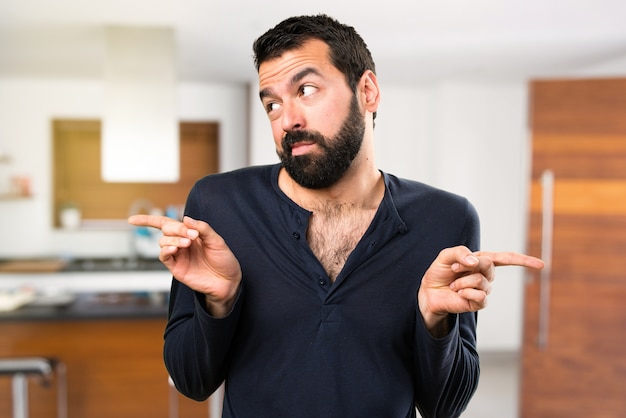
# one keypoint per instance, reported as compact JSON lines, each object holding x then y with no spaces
{"x":54,"y":265}
{"x":104,"y":319}
{"x":91,"y":289}
{"x":85,"y":275}
{"x":90,"y":306}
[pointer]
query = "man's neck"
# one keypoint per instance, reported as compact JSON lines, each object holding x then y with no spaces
{"x":362,"y":190}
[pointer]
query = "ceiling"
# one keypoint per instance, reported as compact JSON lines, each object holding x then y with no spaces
{"x":413,"y":41}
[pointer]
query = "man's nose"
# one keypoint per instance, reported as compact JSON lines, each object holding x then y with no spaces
{"x":292,"y":117}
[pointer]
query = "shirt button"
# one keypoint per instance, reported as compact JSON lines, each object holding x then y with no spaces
{"x":296,"y":235}
{"x":321,"y":281}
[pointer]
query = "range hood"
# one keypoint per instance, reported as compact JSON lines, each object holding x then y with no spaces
{"x":140,"y":140}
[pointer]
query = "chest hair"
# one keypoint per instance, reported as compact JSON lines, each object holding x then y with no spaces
{"x":334,"y":232}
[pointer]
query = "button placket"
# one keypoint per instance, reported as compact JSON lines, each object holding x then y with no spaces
{"x":315,"y":271}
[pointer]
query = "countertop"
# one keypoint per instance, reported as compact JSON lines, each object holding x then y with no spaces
{"x":55,"y":265}
{"x":85,"y":275}
{"x":88,"y":289}
{"x":93,"y":306}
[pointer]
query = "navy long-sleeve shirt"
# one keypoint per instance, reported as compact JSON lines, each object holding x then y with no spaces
{"x":297,"y":344}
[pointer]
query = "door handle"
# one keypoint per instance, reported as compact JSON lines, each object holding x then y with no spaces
{"x":547,"y":219}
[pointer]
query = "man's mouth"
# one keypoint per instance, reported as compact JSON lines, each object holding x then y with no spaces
{"x":301,"y":148}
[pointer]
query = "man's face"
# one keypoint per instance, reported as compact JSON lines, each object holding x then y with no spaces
{"x":316,"y":121}
{"x":320,"y":170}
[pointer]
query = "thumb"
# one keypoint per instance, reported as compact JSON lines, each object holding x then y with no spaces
{"x":458,"y":258}
{"x":204,"y":231}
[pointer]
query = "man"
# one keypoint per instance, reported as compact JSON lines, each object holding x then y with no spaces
{"x":309,"y":286}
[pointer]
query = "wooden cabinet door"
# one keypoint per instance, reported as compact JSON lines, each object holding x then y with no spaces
{"x":574,"y":345}
{"x":114,"y":369}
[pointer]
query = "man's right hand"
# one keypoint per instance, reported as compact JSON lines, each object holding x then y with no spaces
{"x":197,"y":256}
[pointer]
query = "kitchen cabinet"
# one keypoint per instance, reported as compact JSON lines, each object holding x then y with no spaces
{"x":109,"y":335}
{"x":114,"y":366}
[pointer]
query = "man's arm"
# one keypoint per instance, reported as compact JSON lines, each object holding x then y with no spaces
{"x":196,"y":343}
{"x":453,"y":289}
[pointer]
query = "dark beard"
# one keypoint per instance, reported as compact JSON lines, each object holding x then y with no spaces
{"x":321,"y":171}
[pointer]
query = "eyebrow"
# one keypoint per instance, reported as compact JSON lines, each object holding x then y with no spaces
{"x":295,"y":79}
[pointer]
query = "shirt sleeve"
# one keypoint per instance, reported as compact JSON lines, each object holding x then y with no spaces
{"x":447,"y":369}
{"x":196,"y":344}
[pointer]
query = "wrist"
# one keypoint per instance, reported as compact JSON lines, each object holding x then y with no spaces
{"x":437,"y":325}
{"x":219,"y":308}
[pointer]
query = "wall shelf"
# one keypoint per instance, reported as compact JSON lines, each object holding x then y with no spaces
{"x":4,"y":197}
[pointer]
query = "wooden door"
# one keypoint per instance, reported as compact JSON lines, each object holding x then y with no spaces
{"x":574,"y":352}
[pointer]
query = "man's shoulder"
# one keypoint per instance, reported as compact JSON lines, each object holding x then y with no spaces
{"x":228,"y":193}
{"x":410,"y":191}
{"x":434,"y":211}
{"x":246,"y":177}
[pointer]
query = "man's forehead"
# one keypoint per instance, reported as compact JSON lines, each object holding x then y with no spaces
{"x":312,"y":54}
{"x":295,"y":79}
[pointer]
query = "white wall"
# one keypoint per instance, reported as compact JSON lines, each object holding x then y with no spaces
{"x":481,"y":151}
{"x":27,"y":107}
{"x":470,"y":139}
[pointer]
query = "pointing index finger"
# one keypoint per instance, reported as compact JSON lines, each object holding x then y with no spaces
{"x":512,"y":259}
{"x":154,"y":221}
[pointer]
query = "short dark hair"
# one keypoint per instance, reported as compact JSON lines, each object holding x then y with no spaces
{"x":348,"y":51}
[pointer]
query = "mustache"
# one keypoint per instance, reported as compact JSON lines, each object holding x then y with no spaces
{"x":293,"y":137}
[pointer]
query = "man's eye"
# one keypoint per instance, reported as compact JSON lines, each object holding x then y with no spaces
{"x":271,"y":107}
{"x":307,"y":90}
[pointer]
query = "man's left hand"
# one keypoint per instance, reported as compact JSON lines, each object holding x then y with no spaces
{"x":460,"y":281}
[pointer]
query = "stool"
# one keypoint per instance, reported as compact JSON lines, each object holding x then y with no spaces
{"x":21,"y":368}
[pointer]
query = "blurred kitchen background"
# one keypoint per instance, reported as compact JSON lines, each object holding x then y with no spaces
{"x":109,"y":108}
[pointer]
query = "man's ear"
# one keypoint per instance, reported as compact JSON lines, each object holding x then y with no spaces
{"x":369,"y":91}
